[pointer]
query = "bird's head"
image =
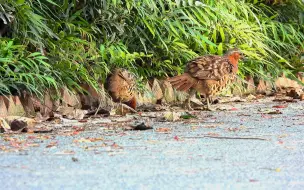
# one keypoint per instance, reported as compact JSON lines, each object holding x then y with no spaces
{"x":234,"y":55}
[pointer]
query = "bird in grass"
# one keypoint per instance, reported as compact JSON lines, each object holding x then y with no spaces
{"x":208,"y":75}
{"x":121,"y":85}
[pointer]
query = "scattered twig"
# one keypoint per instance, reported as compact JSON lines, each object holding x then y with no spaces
{"x":221,"y":137}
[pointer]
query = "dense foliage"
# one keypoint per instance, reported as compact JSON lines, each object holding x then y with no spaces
{"x":51,"y":43}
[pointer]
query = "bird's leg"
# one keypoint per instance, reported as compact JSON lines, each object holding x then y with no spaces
{"x":187,"y":104}
{"x":208,"y":104}
{"x":121,"y":107}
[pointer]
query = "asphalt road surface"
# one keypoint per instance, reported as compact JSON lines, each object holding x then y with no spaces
{"x":257,"y":145}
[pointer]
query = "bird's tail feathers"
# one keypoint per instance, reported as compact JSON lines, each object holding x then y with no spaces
{"x":132,"y":103}
{"x":182,"y":82}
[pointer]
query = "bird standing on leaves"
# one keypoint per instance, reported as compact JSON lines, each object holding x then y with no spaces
{"x":121,"y":87}
{"x":207,"y":75}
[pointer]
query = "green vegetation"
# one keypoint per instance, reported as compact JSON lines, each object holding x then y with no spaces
{"x":53,"y":43}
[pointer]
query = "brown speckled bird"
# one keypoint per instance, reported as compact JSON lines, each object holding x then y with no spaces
{"x":207,"y":75}
{"x":121,"y":87}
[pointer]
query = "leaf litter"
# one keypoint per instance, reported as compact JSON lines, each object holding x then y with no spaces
{"x":144,"y":121}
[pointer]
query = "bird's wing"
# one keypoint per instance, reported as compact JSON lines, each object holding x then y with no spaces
{"x":120,"y":85}
{"x":210,"y":67}
{"x":129,"y":79}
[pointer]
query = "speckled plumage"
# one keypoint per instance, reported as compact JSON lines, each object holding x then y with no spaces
{"x":208,"y":75}
{"x":121,"y":87}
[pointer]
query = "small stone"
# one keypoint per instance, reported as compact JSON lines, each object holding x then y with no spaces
{"x":294,"y":93}
{"x":46,"y":109}
{"x":70,"y":99}
{"x":17,"y":125}
{"x":139,"y":99}
{"x":156,"y":90}
{"x":14,"y":106}
{"x":3,"y":108}
{"x":28,"y":104}
{"x":250,"y":89}
{"x":302,"y":97}
{"x":21,"y":124}
{"x":167,"y":91}
{"x":180,"y":96}
{"x":283,"y":82}
{"x":90,"y":98}
{"x":140,"y":125}
{"x":261,"y":88}
{"x":75,"y":159}
{"x":148,"y":95}
{"x":251,"y":97}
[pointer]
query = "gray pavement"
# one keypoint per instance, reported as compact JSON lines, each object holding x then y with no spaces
{"x":188,"y":154}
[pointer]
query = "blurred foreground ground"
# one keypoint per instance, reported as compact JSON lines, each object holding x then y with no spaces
{"x":199,"y":153}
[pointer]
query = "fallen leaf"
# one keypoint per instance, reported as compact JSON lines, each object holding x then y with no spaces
{"x":31,"y":137}
{"x":52,"y":144}
{"x":43,"y":137}
{"x":2,"y":147}
{"x":82,"y":140}
{"x":213,"y":134}
{"x":75,"y":133}
{"x":270,"y":111}
{"x":4,"y":126}
{"x":283,"y":136}
{"x":163,"y":130}
{"x":96,"y":139}
{"x":78,"y":128}
{"x":42,"y":130}
{"x":242,"y":127}
{"x":234,"y":129}
{"x":266,"y":116}
{"x":280,"y":106}
{"x":210,"y":126}
{"x":194,"y":127}
{"x":176,"y":138}
{"x":172,"y":116}
{"x":116,"y":146}
{"x":32,"y":145}
{"x":284,"y":99}
{"x":65,"y":152}
{"x":278,"y":169}
{"x":72,"y":113}
{"x":275,"y":112}
{"x":251,"y":97}
{"x":233,"y":109}
{"x":187,"y":116}
{"x":15,"y":144}
{"x":302,"y":97}
{"x":243,"y":114}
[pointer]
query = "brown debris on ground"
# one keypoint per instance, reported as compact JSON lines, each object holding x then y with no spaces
{"x":27,"y":113}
